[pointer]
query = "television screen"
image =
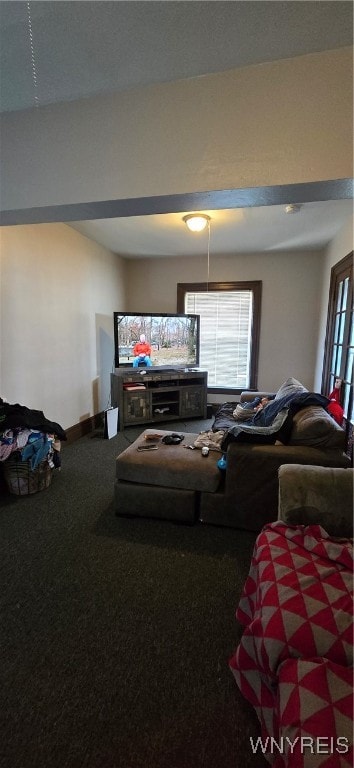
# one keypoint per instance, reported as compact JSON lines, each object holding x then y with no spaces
{"x":152,"y":340}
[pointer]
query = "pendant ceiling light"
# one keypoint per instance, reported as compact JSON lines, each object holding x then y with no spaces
{"x":196,"y":222}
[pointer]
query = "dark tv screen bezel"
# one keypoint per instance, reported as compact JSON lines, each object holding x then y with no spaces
{"x":176,"y":315}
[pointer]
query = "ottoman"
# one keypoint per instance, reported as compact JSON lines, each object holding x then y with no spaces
{"x":165,"y":483}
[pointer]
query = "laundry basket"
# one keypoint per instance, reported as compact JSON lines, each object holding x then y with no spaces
{"x":21,"y":480}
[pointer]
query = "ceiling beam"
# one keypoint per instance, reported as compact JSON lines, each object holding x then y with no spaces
{"x":253,"y":197}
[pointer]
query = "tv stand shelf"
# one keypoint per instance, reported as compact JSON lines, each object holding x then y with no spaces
{"x":158,"y":395}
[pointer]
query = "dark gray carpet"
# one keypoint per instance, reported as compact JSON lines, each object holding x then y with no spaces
{"x":116,"y":632}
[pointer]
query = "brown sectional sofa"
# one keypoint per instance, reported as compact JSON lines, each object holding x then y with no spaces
{"x":249,"y":497}
{"x":175,"y":484}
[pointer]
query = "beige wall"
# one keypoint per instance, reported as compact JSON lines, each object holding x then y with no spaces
{"x":290,"y":302}
{"x":283,"y":122}
{"x":58,"y":294}
{"x":59,"y":291}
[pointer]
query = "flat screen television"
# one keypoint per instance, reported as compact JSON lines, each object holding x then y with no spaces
{"x":173,"y":339}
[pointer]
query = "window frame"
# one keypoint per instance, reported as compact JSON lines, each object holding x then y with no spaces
{"x":251,"y":285}
{"x":339,"y":272}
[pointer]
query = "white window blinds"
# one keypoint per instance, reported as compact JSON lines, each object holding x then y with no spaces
{"x":225,"y":335}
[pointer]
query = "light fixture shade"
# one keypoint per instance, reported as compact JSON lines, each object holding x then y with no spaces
{"x":196,"y":222}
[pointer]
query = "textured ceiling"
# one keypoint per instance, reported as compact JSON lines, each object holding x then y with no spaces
{"x":59,"y":51}
{"x":241,"y":230}
{"x":53,"y":51}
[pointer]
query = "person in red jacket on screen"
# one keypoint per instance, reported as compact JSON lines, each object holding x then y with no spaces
{"x":142,"y":352}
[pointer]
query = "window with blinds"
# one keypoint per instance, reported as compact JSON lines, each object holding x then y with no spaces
{"x":229,"y":327}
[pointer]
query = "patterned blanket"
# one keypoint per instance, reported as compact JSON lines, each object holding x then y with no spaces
{"x":294,"y":662}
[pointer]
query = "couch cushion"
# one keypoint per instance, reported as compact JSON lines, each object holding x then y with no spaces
{"x":171,"y":466}
{"x":311,"y":495}
{"x":290,"y":387}
{"x":314,"y":426}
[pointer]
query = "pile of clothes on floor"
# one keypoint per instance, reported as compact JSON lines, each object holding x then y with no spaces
{"x":27,"y":435}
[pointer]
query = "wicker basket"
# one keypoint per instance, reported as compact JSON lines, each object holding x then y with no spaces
{"x":22,"y":480}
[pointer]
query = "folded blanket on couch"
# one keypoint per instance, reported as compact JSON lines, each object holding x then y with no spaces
{"x":272,"y":423}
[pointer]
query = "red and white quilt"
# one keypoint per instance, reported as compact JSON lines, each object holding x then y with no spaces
{"x":295,"y":659}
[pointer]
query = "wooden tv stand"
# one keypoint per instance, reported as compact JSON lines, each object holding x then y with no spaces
{"x":158,"y":395}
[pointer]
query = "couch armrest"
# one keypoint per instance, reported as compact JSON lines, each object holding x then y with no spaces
{"x":246,"y":397}
{"x":312,"y":495}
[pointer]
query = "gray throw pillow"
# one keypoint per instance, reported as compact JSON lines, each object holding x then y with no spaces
{"x":290,"y":387}
{"x":314,"y":495}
